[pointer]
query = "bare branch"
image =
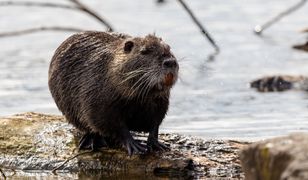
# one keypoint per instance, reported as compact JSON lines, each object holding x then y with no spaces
{"x":34,"y":30}
{"x":260,"y":28}
{"x":205,"y":32}
{"x":40,"y":4}
{"x":70,"y":158}
{"x":79,"y":6}
{"x":87,"y":10}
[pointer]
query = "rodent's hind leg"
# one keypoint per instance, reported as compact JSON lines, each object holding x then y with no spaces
{"x":92,"y":141}
{"x":153,"y":144}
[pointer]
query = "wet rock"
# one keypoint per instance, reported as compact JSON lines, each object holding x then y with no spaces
{"x":283,"y":158}
{"x":280,"y":83}
{"x":304,"y":30}
{"x":33,"y":144}
{"x":303,"y":47}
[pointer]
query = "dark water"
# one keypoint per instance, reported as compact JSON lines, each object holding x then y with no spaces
{"x":213,"y":98}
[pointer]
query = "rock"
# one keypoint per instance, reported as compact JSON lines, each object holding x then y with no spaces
{"x":303,"y":47}
{"x":280,"y":83}
{"x":304,"y":30}
{"x":283,"y":158}
{"x":33,"y":144}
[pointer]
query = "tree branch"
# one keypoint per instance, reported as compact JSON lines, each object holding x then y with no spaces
{"x":87,"y":10}
{"x":33,"y":30}
{"x":40,"y":4}
{"x":260,"y":28}
{"x":203,"y":30}
{"x":78,"y":6}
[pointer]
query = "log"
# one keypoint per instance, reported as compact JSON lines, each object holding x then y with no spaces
{"x":38,"y":143}
{"x":275,"y":159}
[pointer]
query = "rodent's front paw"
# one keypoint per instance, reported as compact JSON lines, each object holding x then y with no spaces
{"x":155,"y":145}
{"x":134,"y":147}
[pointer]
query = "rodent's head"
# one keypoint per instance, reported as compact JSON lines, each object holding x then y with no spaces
{"x":145,"y":66}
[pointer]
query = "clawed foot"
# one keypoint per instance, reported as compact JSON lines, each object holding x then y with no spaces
{"x":155,"y":145}
{"x":134,"y":147}
{"x":92,"y":141}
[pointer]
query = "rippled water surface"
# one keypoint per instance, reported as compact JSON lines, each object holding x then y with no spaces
{"x":212,"y":99}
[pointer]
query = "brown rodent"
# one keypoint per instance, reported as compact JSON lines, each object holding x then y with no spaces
{"x":109,"y":84}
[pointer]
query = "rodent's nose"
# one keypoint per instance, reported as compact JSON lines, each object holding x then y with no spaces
{"x":170,"y":63}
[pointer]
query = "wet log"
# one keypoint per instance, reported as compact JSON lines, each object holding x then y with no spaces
{"x":282,"y":158}
{"x":35,"y":144}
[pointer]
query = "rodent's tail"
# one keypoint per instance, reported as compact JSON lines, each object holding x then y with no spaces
{"x":280,"y":83}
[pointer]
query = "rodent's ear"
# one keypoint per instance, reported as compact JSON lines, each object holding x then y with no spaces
{"x":128,"y":46}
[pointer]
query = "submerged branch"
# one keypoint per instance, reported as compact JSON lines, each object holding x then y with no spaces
{"x":34,"y":30}
{"x":196,"y":21}
{"x":260,"y":28}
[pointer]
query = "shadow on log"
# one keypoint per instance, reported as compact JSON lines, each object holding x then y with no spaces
{"x":33,"y":143}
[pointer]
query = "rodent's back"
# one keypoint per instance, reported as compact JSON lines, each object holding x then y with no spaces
{"x":78,"y":70}
{"x":87,"y":43}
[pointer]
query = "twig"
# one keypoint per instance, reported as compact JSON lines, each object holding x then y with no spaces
{"x":33,"y":30}
{"x":160,"y":1}
{"x":2,"y":173}
{"x":79,"y":6}
{"x":52,"y":5}
{"x":87,"y":10}
{"x":67,"y":160}
{"x":260,"y":28}
{"x":203,"y":30}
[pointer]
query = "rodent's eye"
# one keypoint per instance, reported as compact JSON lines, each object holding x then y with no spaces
{"x":145,"y":51}
{"x":128,"y":46}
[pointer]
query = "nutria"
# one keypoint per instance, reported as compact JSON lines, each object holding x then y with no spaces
{"x":109,"y":84}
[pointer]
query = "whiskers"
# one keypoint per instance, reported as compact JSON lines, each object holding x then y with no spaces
{"x":133,"y":74}
{"x":145,"y":80}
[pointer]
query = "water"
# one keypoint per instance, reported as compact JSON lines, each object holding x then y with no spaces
{"x":212,"y":99}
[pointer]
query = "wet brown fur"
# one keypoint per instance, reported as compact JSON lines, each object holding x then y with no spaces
{"x":92,"y":79}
